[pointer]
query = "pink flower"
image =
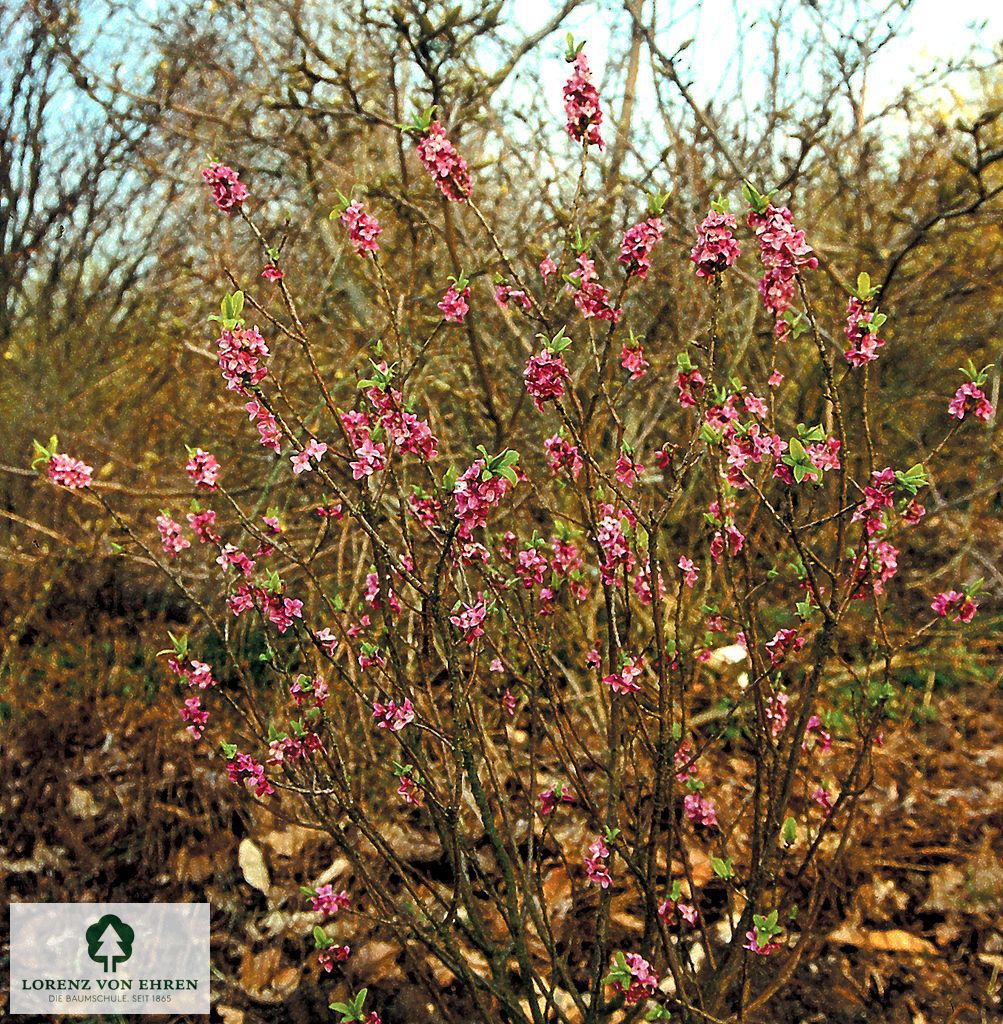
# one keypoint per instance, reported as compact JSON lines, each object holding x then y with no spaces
{"x":691,"y":388}
{"x":203,"y":470}
{"x":753,"y":944}
{"x":784,"y":252}
{"x":408,"y":791}
{"x":454,"y":304}
{"x":643,"y":980}
{"x":504,"y":294}
{"x":508,"y":703}
{"x":590,"y":297}
{"x":716,"y":247}
{"x":67,"y":471}
{"x":327,"y":958}
{"x":699,"y":810}
{"x":545,"y":375}
{"x":784,"y":641}
{"x":241,"y":355}
{"x":636,"y":246}
{"x":950,"y":601}
{"x":202,"y":524}
{"x":473,"y":497}
{"x":393,"y":716}
{"x":633,"y":361}
{"x":547,"y":268}
{"x":369,"y":458}
{"x":864,"y":343}
{"x":776,"y":712}
{"x":625,"y":681}
{"x":228,"y":192}
{"x":552,"y":796}
{"x":301,"y":460}
{"x":470,"y":619}
{"x":581,"y":104}
{"x":195,"y":716}
{"x":596,"y":864}
{"x":970,"y":398}
{"x":363,"y":229}
{"x":913,"y":512}
{"x":627,"y":470}
{"x":690,"y":571}
{"x":613,"y":544}
{"x":562,"y":455}
{"x":447,"y":168}
{"x":170,"y":535}
{"x":245,"y":771}
{"x":272,"y":273}
{"x":776,"y":379}
{"x":326,"y":901}
{"x":268,"y":427}
{"x":822,"y":797}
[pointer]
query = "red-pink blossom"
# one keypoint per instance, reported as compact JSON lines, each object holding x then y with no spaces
{"x":545,"y":376}
{"x":195,"y":715}
{"x":393,"y":716}
{"x":363,"y":229}
{"x":864,"y":343}
{"x":67,"y":471}
{"x":581,"y":104}
{"x":590,"y":297}
{"x":454,"y":304}
{"x":327,"y":902}
{"x":636,"y":246}
{"x":970,"y":398}
{"x":699,"y":810}
{"x":950,"y":601}
{"x":445,"y":165}
{"x":203,"y":470}
{"x":228,"y":192}
{"x":504,"y":294}
{"x":473,"y":497}
{"x":562,"y":455}
{"x":643,"y":980}
{"x":272,"y":273}
{"x":470,"y":619}
{"x":170,"y":535}
{"x":716,"y":247}
{"x":633,"y":361}
{"x":241,"y":357}
{"x":596,"y":865}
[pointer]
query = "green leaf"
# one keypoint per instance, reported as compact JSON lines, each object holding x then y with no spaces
{"x":790,"y":831}
{"x":722,"y":868}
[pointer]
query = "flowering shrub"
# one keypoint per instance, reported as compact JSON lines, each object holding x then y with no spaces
{"x":520,"y":671}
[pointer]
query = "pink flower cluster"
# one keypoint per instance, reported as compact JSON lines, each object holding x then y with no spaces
{"x":643,"y":980}
{"x":563,"y":456}
{"x":784,"y":252}
{"x":241,"y":356}
{"x":505,"y":293}
{"x":616,"y":553}
{"x":363,"y":229}
{"x":245,"y":771}
{"x":590,"y":297}
{"x":170,"y":535}
{"x":447,"y":168}
{"x":633,"y":361}
{"x":636,"y":246}
{"x":625,"y":681}
{"x":393,"y":716}
{"x":474,"y":497}
{"x":864,"y":343}
{"x":195,"y":715}
{"x":716,"y":247}
{"x":784,"y":641}
{"x":970,"y":398}
{"x":203,"y":470}
{"x":951,"y":601}
{"x":228,"y":192}
{"x":301,"y":460}
{"x":545,"y":375}
{"x":552,"y":796}
{"x":67,"y":471}
{"x":581,"y":104}
{"x":269,"y":435}
{"x":596,"y":866}
{"x":691,"y":386}
{"x":327,"y":902}
{"x":699,"y":810}
{"x":470,"y":620}
{"x":454,"y":306}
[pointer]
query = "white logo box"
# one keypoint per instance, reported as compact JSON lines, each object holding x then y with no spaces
{"x":109,"y":958}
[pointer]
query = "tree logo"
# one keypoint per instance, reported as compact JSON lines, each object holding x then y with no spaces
{"x":109,"y":942}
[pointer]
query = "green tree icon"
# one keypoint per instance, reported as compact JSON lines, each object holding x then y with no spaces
{"x":109,"y":942}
